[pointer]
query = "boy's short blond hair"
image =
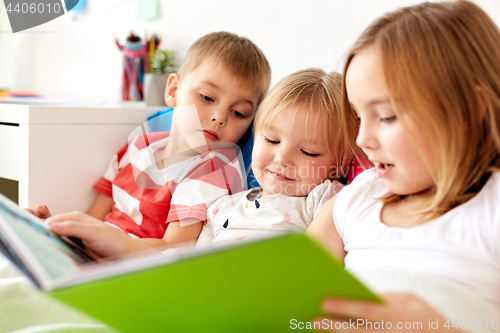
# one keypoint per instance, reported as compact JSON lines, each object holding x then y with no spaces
{"x":237,"y":54}
{"x":317,"y":93}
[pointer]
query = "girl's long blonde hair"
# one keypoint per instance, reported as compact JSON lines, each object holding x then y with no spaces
{"x":441,"y":63}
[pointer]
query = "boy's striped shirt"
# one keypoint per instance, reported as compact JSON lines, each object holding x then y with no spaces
{"x":147,"y":198}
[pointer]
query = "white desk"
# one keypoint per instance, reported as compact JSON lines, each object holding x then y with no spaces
{"x":56,"y":153}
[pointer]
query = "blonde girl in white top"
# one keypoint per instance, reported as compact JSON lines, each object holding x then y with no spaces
{"x":422,"y":93}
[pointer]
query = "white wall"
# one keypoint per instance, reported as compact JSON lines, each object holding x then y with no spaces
{"x":77,"y":58}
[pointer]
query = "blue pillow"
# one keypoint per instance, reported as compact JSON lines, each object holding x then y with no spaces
{"x":163,"y":123}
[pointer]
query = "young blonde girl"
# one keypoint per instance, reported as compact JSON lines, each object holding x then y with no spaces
{"x":297,"y":157}
{"x":422,"y":93}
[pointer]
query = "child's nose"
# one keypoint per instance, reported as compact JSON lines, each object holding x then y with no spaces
{"x":282,"y":157}
{"x":365,"y":139}
{"x":219,"y":116}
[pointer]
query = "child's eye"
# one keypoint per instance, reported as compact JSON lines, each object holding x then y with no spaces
{"x":273,"y":142}
{"x":239,"y":114}
{"x":309,"y":154}
{"x":388,"y":119}
{"x":206,"y":98}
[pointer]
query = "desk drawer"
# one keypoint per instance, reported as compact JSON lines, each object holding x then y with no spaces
{"x":11,"y":156}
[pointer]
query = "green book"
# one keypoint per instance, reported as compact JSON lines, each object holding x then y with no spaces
{"x":265,"y":286}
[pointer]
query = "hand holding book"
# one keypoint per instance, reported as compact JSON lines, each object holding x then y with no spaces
{"x":41,"y":211}
{"x":98,"y":237}
{"x":398,"y":309}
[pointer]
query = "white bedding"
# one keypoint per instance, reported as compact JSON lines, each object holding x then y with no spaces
{"x":23,"y":309}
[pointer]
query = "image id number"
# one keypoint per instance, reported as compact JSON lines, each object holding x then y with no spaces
{"x":34,"y":8}
{"x":471,"y":324}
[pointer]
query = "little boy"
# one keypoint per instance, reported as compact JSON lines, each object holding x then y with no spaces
{"x":223,"y":79}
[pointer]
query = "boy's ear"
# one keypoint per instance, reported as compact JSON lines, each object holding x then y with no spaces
{"x":171,"y":90}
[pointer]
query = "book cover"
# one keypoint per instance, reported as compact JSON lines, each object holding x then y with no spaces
{"x":253,"y":287}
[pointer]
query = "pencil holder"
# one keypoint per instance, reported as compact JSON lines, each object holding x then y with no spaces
{"x":133,"y":52}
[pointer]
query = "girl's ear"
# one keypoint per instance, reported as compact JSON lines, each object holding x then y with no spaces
{"x":171,"y":90}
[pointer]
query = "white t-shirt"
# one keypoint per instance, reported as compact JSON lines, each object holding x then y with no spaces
{"x":462,"y":245}
{"x":245,"y":216}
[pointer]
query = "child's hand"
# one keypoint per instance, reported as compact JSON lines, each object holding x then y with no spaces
{"x":97,"y":236}
{"x":398,"y":309}
{"x":41,"y":211}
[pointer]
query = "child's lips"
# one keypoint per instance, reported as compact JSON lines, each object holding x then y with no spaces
{"x":280,"y":176}
{"x":383,"y":168}
{"x":211,"y":135}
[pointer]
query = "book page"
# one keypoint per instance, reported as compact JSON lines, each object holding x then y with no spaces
{"x":56,"y":256}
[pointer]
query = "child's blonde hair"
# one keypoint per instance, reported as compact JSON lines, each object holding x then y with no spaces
{"x":441,"y":63}
{"x":319,"y":94}
{"x":237,"y":54}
